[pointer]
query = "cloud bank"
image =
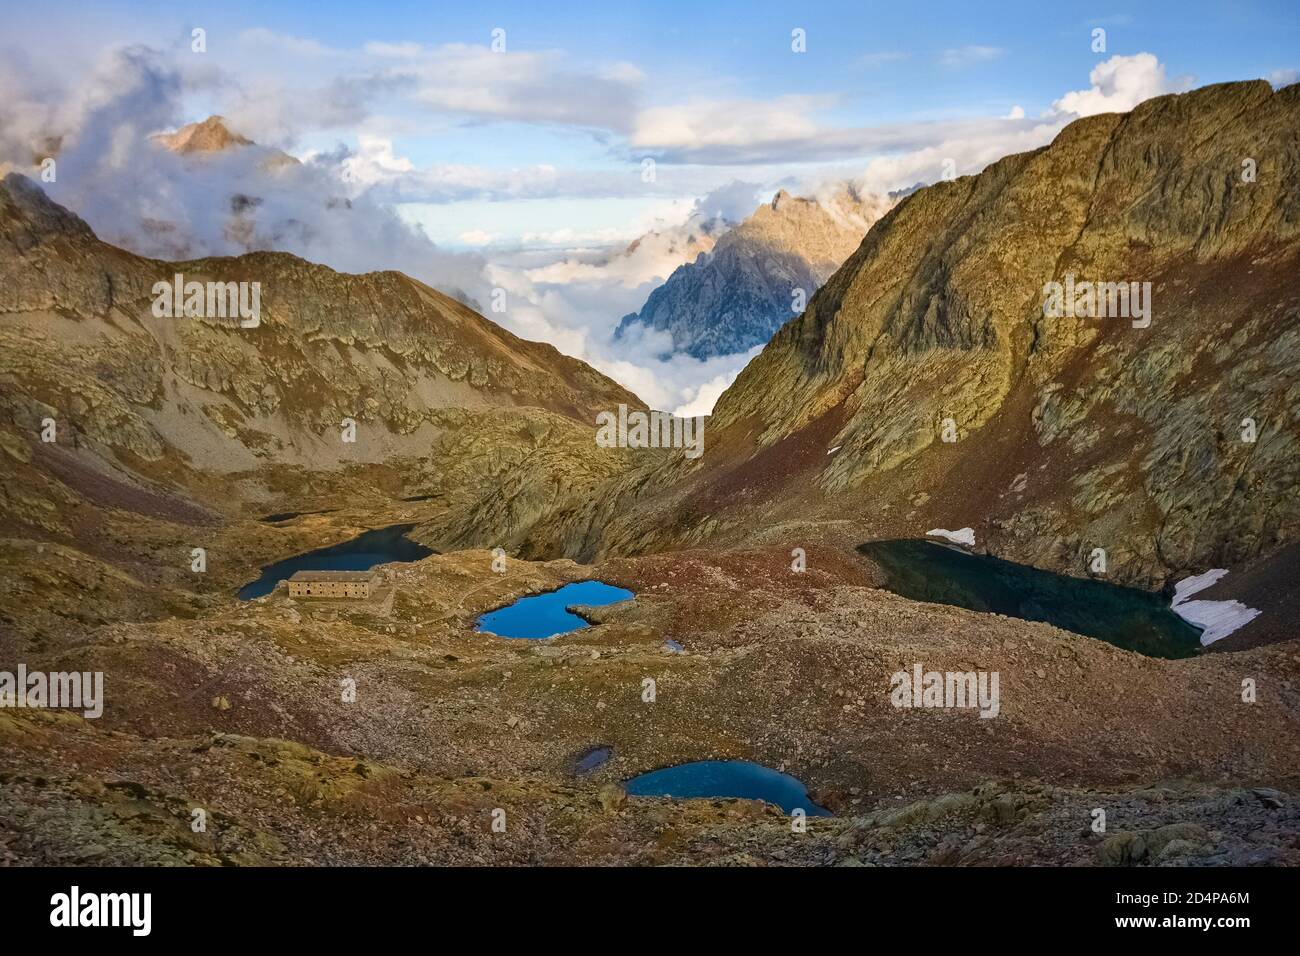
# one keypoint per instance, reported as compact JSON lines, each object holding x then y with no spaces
{"x":138,"y":195}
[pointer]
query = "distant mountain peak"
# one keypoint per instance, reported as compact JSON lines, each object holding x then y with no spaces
{"x":210,"y":136}
{"x":213,"y":136}
{"x":741,"y":291}
{"x":780,"y":199}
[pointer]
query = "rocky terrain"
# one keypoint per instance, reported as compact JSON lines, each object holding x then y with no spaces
{"x":181,"y":433}
{"x":380,"y":348}
{"x":1067,"y":434}
{"x":194,"y":422}
{"x":239,"y":712}
{"x":735,"y":296}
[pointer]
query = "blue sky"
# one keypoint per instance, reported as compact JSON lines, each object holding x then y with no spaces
{"x":884,"y":62}
{"x":879,"y":63}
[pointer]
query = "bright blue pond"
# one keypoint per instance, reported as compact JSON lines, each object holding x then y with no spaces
{"x":545,"y":615}
{"x":362,"y":553}
{"x":726,"y":778}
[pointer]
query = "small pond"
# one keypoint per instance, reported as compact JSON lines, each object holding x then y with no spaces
{"x":726,"y":779}
{"x":592,"y":760}
{"x":545,"y":615}
{"x":286,"y":515}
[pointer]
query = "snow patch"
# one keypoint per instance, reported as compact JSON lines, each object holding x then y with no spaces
{"x":965,"y":536}
{"x":1218,"y":618}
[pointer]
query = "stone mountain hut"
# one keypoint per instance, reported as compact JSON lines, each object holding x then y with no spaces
{"x":333,"y":584}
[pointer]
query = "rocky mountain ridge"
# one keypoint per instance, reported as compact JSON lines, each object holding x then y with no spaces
{"x":925,"y":386}
{"x":209,"y":136}
{"x":166,"y":407}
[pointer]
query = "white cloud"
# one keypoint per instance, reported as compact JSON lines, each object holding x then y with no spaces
{"x":276,"y":113}
{"x":676,"y":235}
{"x":628,"y":74}
{"x":696,"y":127}
{"x":136,"y":194}
{"x":477,"y":237}
{"x":281,"y":43}
{"x":336,"y":88}
{"x":1118,"y":85}
{"x":969,"y":148}
{"x":956,"y":57}
{"x":374,"y":162}
{"x":403,"y":50}
{"x":706,"y":395}
{"x":1281,"y":78}
{"x":531,"y":87}
{"x":699,"y":136}
{"x":789,"y":130}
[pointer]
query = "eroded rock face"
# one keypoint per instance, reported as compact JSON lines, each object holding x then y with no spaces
{"x":1073,"y":433}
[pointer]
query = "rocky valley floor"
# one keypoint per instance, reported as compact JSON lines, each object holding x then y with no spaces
{"x":238,"y":709}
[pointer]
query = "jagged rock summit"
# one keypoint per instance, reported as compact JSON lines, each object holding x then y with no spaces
{"x":735,"y":296}
{"x":210,"y":136}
